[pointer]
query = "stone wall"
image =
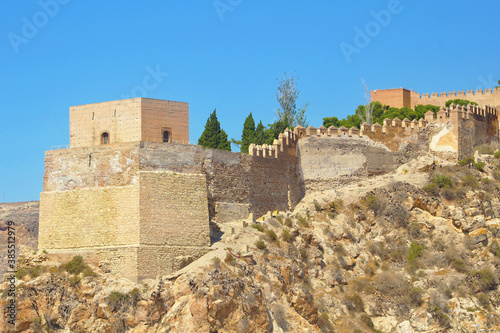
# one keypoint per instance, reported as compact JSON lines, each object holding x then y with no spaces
{"x":461,"y":129}
{"x":237,"y":184}
{"x":87,"y":218}
{"x":160,"y":260}
{"x":482,"y":97}
{"x":393,"y":134}
{"x":162,"y":221}
{"x":144,"y":208}
{"x":115,"y":165}
{"x":328,"y":162}
{"x":173,"y":209}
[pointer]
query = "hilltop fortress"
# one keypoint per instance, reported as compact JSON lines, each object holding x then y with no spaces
{"x":400,"y":97}
{"x":133,"y":195}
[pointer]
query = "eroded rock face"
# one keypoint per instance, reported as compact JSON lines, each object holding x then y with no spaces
{"x":407,"y":263}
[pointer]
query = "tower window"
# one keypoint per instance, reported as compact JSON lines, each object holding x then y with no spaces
{"x":105,"y":138}
{"x":166,"y":136}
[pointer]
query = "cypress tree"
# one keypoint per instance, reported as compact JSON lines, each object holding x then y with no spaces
{"x":210,"y":136}
{"x":248,"y":135}
{"x":260,"y":136}
{"x":224,"y":143}
{"x":213,"y":136}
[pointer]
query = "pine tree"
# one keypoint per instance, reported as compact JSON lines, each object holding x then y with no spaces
{"x":248,"y":135}
{"x":213,"y":136}
{"x":260,"y":136}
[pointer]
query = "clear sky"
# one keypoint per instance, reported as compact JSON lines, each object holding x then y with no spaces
{"x":224,"y":54}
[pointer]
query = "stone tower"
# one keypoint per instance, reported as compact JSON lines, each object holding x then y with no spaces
{"x":106,"y":198}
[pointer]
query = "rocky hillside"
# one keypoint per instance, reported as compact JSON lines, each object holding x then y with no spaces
{"x":25,"y":217}
{"x":417,"y":250}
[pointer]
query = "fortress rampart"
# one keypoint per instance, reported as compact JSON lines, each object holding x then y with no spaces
{"x":480,"y":96}
{"x":403,"y":97}
{"x":392,"y":134}
{"x":470,"y":126}
{"x":143,"y":208}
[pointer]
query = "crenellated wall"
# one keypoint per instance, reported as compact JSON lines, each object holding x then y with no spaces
{"x":480,"y":96}
{"x":469,"y":126}
{"x":403,"y":97}
{"x":392,"y":134}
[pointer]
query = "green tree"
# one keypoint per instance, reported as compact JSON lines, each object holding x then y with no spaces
{"x":274,"y":130}
{"x":356,"y":119}
{"x":287,"y":96}
{"x":421,"y":110}
{"x":331,"y":121}
{"x":459,"y":102}
{"x":224,"y":143}
{"x":351,"y":120}
{"x":213,"y":136}
{"x":380,"y":112}
{"x":375,"y":109}
{"x":260,"y":136}
{"x":248,"y":135}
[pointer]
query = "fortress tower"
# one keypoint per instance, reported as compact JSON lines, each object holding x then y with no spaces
{"x":128,"y":120}
{"x":103,"y":198}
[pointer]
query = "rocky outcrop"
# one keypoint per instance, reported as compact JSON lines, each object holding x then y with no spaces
{"x":395,"y":259}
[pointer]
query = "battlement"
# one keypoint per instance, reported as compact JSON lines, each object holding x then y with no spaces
{"x":461,"y":94}
{"x":367,"y":130}
{"x":284,"y":145}
{"x":445,"y":114}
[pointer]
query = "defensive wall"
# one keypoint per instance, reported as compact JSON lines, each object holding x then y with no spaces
{"x":468,"y":126}
{"x":143,"y":208}
{"x":482,"y":97}
{"x":400,"y":97}
{"x":331,"y":157}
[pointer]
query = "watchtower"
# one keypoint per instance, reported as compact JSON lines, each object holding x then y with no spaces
{"x":110,"y":197}
{"x":129,"y":120}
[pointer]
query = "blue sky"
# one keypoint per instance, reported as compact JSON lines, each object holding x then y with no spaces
{"x":224,"y":54}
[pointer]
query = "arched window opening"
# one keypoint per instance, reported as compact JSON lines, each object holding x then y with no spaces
{"x":166,"y":136}
{"x":105,"y":138}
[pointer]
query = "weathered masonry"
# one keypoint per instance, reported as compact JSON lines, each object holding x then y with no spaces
{"x":140,"y":206}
